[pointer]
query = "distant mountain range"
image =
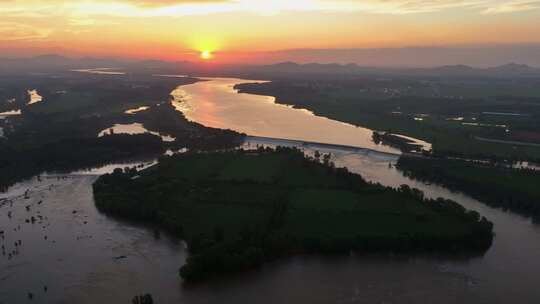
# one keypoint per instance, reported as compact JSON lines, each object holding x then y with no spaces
{"x":55,"y":63}
{"x":507,"y":70}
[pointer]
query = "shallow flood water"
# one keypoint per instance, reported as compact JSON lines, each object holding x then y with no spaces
{"x":3,"y":115}
{"x":136,"y":110}
{"x":72,"y":253}
{"x":34,"y":97}
{"x":134,"y":128}
{"x":86,"y":263}
{"x":101,"y":71}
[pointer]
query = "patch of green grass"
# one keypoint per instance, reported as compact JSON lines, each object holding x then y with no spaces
{"x":345,"y":214}
{"x":252,"y":168}
{"x":321,"y":200}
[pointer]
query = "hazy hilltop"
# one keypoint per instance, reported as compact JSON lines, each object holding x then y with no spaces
{"x":425,"y":57}
{"x":57,"y":63}
{"x":510,"y":70}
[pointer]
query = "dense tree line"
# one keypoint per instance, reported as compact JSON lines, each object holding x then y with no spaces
{"x":496,"y":185}
{"x":73,"y":154}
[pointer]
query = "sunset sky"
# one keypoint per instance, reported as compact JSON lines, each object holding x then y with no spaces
{"x":239,"y":30}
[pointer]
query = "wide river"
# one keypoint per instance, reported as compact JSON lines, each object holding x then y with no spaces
{"x":82,"y":256}
{"x":216,"y":104}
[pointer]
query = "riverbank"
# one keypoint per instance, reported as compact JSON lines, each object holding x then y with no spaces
{"x":497,"y":185}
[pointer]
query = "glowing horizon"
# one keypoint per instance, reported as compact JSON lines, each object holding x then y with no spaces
{"x":237,"y":29}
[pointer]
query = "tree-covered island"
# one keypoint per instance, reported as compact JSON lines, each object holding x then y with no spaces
{"x":238,"y":209}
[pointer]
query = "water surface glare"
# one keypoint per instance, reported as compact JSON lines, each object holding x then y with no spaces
{"x":215,"y":103}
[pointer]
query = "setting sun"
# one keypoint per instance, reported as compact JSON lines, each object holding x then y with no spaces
{"x":206,"y":55}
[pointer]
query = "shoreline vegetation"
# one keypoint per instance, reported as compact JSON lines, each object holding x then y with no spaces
{"x":403,"y":144}
{"x":238,"y":209}
{"x":497,"y":185}
{"x":60,"y":133}
{"x":415,"y":107}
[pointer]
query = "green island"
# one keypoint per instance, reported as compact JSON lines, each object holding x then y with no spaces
{"x":237,"y":209}
{"x":497,"y":185}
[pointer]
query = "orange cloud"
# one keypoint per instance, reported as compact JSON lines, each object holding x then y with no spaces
{"x":13,"y":31}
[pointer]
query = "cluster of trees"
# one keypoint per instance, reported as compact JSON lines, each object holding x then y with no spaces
{"x":176,"y":201}
{"x":486,"y":157}
{"x":72,"y":154}
{"x":211,"y":257}
{"x":496,"y":185}
{"x":143,"y":299}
